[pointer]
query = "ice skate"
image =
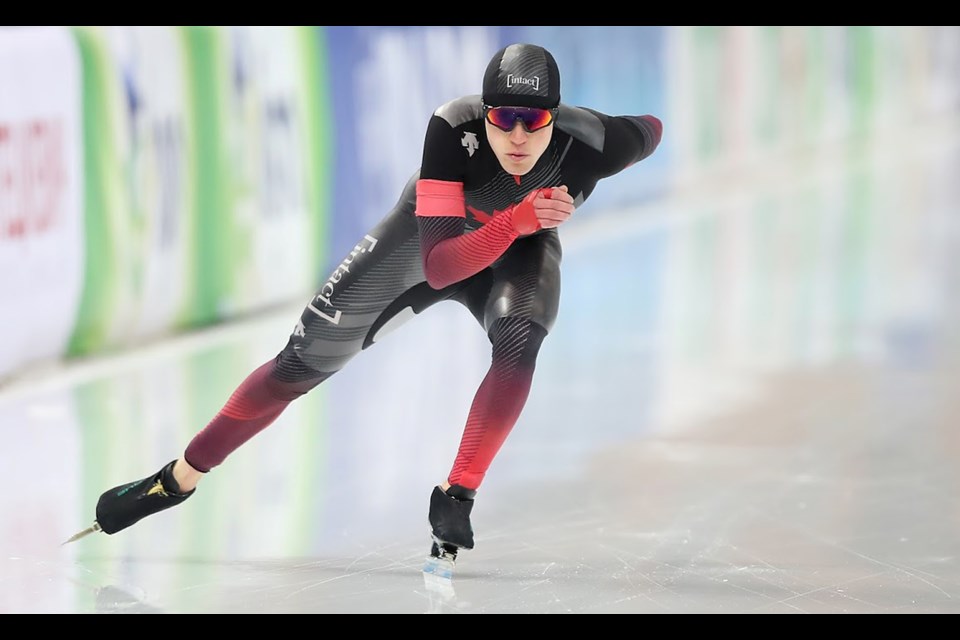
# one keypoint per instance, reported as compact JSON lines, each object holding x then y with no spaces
{"x":127,"y":504}
{"x":451,"y":529}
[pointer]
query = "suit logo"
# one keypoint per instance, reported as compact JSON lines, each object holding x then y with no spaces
{"x":482,"y":216}
{"x":329,"y":287}
{"x":470,"y":142}
{"x":533,"y":82}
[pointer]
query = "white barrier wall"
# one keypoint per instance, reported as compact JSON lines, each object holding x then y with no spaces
{"x":202,"y":180}
{"x":143,"y":119}
{"x":41,"y":212}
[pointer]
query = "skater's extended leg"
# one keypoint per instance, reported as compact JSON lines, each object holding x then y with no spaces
{"x":256,"y":403}
{"x":253,"y":406}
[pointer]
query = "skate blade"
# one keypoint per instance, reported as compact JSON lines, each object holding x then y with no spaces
{"x":91,"y":529}
{"x":439,"y":587}
{"x":441,"y":567}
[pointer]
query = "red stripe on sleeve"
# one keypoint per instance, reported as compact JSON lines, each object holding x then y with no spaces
{"x":455,"y":259}
{"x":440,"y":198}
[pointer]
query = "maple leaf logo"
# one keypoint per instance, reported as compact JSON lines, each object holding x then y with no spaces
{"x":482,"y":216}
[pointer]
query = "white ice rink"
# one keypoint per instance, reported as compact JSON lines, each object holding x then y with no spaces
{"x":749,"y":404}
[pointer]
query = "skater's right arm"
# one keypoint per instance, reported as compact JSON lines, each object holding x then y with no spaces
{"x":448,"y":251}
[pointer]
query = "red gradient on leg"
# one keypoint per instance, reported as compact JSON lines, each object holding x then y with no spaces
{"x":496,"y":407}
{"x":256,"y":403}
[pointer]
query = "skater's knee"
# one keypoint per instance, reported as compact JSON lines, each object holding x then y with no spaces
{"x":289,"y":377}
{"x":508,"y":332}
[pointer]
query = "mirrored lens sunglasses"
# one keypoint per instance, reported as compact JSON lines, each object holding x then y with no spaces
{"x":533,"y":119}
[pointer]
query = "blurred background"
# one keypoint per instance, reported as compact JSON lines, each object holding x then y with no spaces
{"x":171,"y":196}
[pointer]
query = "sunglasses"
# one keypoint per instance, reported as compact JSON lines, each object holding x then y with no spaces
{"x":505,"y":117}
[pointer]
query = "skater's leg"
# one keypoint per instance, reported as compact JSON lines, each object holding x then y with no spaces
{"x":518,"y":307}
{"x":253,"y":406}
{"x":495,"y":409}
{"x":499,"y":400}
{"x":518,"y":312}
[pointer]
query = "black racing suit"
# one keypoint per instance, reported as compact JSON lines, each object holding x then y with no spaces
{"x":419,"y":254}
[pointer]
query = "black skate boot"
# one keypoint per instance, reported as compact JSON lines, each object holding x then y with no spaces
{"x":451,"y":529}
{"x":127,"y":504}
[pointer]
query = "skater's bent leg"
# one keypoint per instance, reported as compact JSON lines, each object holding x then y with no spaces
{"x":253,"y":406}
{"x":499,"y":400}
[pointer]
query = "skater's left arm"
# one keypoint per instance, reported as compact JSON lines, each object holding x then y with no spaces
{"x":627,"y":140}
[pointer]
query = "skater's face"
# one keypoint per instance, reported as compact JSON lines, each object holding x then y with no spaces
{"x":527,"y":134}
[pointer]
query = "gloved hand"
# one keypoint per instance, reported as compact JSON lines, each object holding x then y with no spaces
{"x":544,"y":208}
